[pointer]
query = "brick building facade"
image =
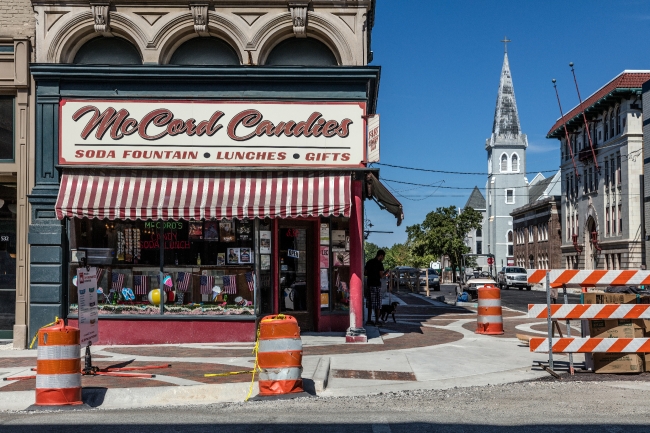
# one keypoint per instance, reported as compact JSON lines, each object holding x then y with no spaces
{"x":538,"y":226}
{"x":17,"y":32}
{"x":538,"y":234}
{"x":17,"y":19}
{"x":602,"y":222}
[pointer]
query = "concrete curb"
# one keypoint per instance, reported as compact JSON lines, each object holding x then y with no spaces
{"x":132,"y":398}
{"x":321,"y":375}
{"x":467,"y":304}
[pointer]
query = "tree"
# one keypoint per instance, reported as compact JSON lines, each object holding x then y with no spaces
{"x":397,"y":255}
{"x":442,"y":233}
{"x":370,"y":250}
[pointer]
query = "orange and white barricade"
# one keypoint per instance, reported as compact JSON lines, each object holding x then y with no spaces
{"x":590,"y":311}
{"x":593,"y":278}
{"x":279,"y":356}
{"x":589,"y":278}
{"x":489,"y":318}
{"x":58,"y":366}
{"x":591,"y":345}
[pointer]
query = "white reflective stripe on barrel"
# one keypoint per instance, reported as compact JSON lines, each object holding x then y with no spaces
{"x":59,"y":352}
{"x":280,"y":345}
{"x":58,"y":380}
{"x":490,"y":319}
{"x":293,"y":373}
{"x":489,"y":302}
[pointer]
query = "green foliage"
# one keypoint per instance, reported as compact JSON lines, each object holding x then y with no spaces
{"x":370,"y":250}
{"x":442,"y":233}
{"x":397,"y":255}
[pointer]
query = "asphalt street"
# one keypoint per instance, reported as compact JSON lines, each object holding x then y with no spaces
{"x":513,"y":298}
{"x":519,"y":407}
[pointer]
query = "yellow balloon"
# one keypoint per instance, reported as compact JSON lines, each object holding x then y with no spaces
{"x":154,"y":297}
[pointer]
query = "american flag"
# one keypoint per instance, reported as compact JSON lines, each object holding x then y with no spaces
{"x":141,"y":284}
{"x":183,"y":281}
{"x":230,"y":284}
{"x":118,"y":281}
{"x":100,"y":274}
{"x":207,"y":281}
{"x":250,"y":281}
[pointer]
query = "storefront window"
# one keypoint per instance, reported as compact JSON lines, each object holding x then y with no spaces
{"x":209,"y":266}
{"x":6,"y":129}
{"x":335,"y":264}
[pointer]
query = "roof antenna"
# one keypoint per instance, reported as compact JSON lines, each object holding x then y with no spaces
{"x":566,"y":131}
{"x":584,"y":116}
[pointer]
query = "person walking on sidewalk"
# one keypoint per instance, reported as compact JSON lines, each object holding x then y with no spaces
{"x":374,"y":273}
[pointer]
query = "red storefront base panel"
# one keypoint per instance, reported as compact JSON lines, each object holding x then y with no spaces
{"x":134,"y":331}
{"x":333,"y":323}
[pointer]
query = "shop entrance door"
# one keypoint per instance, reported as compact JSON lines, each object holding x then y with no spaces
{"x":296,"y":272}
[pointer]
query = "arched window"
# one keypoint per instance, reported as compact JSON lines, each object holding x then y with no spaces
{"x":618,"y":120}
{"x":606,"y":127}
{"x":479,"y":233}
{"x":301,"y":52}
{"x":108,"y":51}
{"x":504,"y":162}
{"x":510,"y":236}
{"x":205,"y":51}
{"x":515,"y":162}
{"x":611,"y":124}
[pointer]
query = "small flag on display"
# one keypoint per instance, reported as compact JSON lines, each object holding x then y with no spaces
{"x":141,"y":284}
{"x":100,"y":274}
{"x":230,"y":284}
{"x":183,"y":281}
{"x":338,"y":281}
{"x":207,"y":281}
{"x":118,"y":281}
{"x":250,"y":281}
{"x":168,"y":283}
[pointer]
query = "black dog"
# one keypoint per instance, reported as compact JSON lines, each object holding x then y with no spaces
{"x":388,"y":309}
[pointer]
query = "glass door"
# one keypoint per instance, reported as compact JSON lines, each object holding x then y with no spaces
{"x":295,"y":272}
{"x":8,"y":212}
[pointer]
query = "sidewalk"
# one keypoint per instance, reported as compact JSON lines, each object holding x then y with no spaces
{"x":432,"y":346}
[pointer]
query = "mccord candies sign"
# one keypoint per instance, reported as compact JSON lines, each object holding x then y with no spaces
{"x":198,"y":133}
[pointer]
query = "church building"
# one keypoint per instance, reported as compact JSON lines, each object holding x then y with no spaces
{"x":507,"y":186}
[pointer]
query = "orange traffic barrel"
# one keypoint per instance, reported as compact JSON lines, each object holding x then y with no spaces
{"x":58,"y":366}
{"x":279,"y":356}
{"x":490,"y":314}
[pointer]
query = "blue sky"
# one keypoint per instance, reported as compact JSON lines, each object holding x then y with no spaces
{"x":441,"y":62}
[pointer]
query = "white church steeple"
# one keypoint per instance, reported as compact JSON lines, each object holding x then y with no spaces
{"x":506,"y":187}
{"x":506,"y":127}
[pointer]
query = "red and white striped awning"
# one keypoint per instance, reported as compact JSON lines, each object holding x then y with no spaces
{"x":174,"y":195}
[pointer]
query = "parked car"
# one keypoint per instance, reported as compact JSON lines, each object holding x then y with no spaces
{"x":512,"y":276}
{"x":474,"y":284}
{"x":434,"y":279}
{"x":406,"y":275}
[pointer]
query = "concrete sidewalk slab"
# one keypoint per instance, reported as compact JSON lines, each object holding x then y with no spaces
{"x":432,"y":346}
